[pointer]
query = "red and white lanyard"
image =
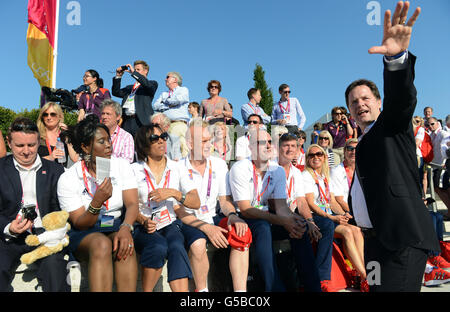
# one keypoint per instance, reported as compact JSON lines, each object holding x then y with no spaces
{"x":48,"y":145}
{"x":290,"y":183}
{"x":84,"y":169}
{"x":114,"y":139}
{"x":349,"y":175}
{"x":135,"y":86}
{"x":254,"y":108}
{"x":324,"y":196}
{"x":150,"y":183}
{"x":255,"y":185}
{"x":286,"y":109}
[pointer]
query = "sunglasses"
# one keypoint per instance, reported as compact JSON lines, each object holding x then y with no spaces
{"x":51,"y":114}
{"x":350,"y":148}
{"x":253,"y":122}
{"x":288,"y":136}
{"x":318,"y":154}
{"x":339,"y":113}
{"x":288,"y":92}
{"x":264,"y":142}
{"x":432,"y":123}
{"x":154,"y":137}
{"x":324,"y":138}
{"x":214,"y":87}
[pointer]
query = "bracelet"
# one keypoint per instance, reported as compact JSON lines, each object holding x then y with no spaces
{"x":310,"y":220}
{"x":128,"y":225}
{"x":232,"y":213}
{"x":93,"y":210}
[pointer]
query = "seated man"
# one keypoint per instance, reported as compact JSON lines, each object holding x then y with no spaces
{"x":173,"y":142}
{"x":174,"y":104}
{"x":210,"y":174}
{"x":121,"y":140}
{"x":254,"y":121}
{"x":27,"y":181}
{"x":256,"y":184}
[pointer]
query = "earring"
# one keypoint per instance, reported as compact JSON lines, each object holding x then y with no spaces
{"x":87,"y":158}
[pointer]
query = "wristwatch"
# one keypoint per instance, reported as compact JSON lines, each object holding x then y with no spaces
{"x":129,"y":225}
{"x":183,"y":198}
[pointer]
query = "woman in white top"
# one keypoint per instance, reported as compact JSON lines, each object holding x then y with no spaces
{"x":101,"y":226}
{"x":341,"y":180}
{"x":327,"y":214}
{"x":163,"y":189}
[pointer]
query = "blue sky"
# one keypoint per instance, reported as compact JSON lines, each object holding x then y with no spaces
{"x":317,"y":47}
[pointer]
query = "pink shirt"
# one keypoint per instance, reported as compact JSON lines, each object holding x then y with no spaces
{"x":122,"y":144}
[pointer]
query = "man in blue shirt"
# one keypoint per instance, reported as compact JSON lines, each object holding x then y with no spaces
{"x":285,"y":111}
{"x":174,"y":104}
{"x":252,"y":107}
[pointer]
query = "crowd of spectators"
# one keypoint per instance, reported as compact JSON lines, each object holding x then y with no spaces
{"x":182,"y":175}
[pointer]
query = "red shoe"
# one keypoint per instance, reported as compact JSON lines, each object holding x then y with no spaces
{"x":445,"y":250}
{"x":439,"y":262}
{"x":325,"y":286}
{"x":364,"y":286}
{"x":436,"y":277}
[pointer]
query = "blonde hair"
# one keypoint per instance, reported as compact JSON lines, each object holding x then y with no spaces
{"x":40,"y":123}
{"x":325,"y":168}
{"x":328,"y":134}
{"x":415,"y":124}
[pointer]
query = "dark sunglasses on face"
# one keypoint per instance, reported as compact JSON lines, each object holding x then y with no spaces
{"x":214,"y":87}
{"x":253,"y":122}
{"x":350,"y":148}
{"x":318,"y":154}
{"x":432,"y":123}
{"x":288,"y":92}
{"x":51,"y":114}
{"x":264,"y":142}
{"x":324,"y":138}
{"x":154,"y":137}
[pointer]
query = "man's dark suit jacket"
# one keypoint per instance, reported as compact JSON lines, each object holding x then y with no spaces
{"x":143,"y":98}
{"x":11,"y":189}
{"x":387,"y":166}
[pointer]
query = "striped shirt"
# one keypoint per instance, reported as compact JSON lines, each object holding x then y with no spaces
{"x":122,"y":144}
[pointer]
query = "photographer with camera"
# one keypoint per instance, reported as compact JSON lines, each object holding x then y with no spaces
{"x":136,"y":98}
{"x":90,"y":100}
{"x":28,"y":193}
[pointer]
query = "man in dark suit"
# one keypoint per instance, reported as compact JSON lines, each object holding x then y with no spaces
{"x":137,"y":98}
{"x":27,"y":180}
{"x":385,"y":195}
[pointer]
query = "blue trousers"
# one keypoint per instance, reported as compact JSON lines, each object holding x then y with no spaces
{"x":324,"y":251}
{"x":265,"y":257}
{"x":167,"y":243}
{"x":303,"y":253}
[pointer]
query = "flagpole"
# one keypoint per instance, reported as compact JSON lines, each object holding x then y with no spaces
{"x":55,"y":48}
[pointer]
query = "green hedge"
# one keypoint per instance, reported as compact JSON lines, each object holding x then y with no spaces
{"x":7,"y":116}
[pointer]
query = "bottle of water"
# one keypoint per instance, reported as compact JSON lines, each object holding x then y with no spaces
{"x":60,"y":146}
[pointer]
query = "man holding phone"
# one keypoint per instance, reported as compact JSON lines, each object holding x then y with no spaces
{"x":27,"y":194}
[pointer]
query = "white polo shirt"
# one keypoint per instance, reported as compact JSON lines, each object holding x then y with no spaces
{"x":216,"y":171}
{"x":73,"y":192}
{"x":339,"y":181}
{"x":310,"y":186}
{"x":242,"y":184}
{"x":176,"y":179}
{"x":294,"y":187}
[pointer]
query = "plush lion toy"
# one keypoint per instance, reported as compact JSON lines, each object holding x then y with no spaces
{"x":53,"y":240}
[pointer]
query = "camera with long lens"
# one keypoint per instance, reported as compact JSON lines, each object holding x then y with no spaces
{"x":29,"y":212}
{"x":65,"y":98}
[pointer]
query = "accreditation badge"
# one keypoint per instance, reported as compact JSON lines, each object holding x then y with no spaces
{"x":287,"y":117}
{"x":162,"y":217}
{"x":106,"y":221}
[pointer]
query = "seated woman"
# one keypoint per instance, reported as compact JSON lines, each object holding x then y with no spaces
{"x":215,"y":108}
{"x":341,"y":178}
{"x":221,"y":144}
{"x":51,"y":127}
{"x":327,"y":214}
{"x":162,"y":187}
{"x":101,"y":212}
{"x":89,"y":102}
{"x":326,"y":142}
